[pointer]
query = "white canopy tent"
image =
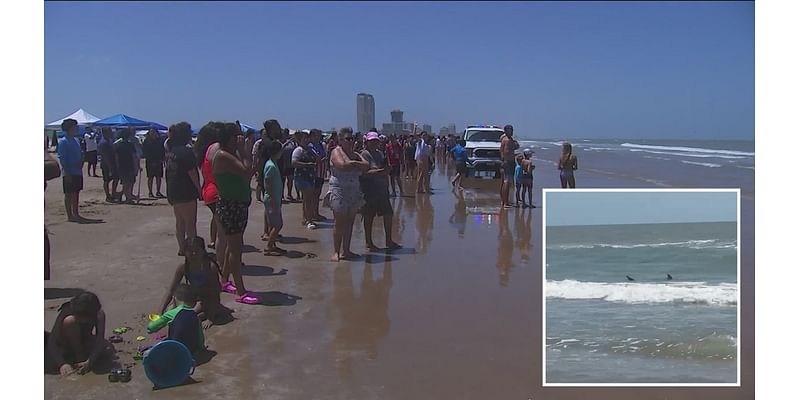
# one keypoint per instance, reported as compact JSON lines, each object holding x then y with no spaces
{"x":83,"y":118}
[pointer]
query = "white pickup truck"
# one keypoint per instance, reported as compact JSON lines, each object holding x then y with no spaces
{"x":483,"y":151}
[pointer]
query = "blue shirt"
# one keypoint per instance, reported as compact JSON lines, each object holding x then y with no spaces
{"x":459,"y":153}
{"x":70,"y":156}
{"x":518,"y":173}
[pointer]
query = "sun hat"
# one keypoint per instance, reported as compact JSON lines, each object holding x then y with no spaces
{"x":527,"y":151}
{"x":372,"y":136}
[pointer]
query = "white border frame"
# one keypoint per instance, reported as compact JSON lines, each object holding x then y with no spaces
{"x":738,"y":289}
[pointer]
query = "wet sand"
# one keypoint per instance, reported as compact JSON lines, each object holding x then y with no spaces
{"x":455,"y":314}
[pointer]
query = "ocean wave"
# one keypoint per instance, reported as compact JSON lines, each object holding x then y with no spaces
{"x":689,"y":149}
{"x":672,"y":153}
{"x":691,"y":244}
{"x":714,"y":346}
{"x":710,"y":165}
{"x":723,"y":294}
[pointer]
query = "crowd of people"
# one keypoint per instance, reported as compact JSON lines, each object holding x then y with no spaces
{"x":363,"y":172}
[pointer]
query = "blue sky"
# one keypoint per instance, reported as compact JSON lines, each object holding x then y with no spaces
{"x":555,"y":70}
{"x":613,"y":208}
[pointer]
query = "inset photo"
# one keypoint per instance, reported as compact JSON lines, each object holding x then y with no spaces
{"x":641,"y":287}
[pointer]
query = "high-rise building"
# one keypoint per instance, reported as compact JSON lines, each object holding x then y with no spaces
{"x":365,"y":112}
{"x":427,"y":128}
{"x":452,"y":129}
{"x":397,"y":116}
{"x":444,"y":131}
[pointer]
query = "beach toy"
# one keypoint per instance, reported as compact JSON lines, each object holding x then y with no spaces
{"x":121,"y":330}
{"x":139,"y":338}
{"x":120,"y":375}
{"x":153,"y":317}
{"x":169,"y":363}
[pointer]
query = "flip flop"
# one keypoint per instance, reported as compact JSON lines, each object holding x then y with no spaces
{"x":248,"y":298}
{"x":277,"y":251}
{"x":229,"y":287}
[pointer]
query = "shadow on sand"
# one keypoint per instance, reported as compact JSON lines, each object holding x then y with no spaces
{"x":250,"y":249}
{"x":296,"y":240}
{"x":260,"y":270}
{"x":274,"y":298}
{"x":61,"y":293}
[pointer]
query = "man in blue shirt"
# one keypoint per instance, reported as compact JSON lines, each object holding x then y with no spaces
{"x":71,"y":158}
{"x":460,"y":156}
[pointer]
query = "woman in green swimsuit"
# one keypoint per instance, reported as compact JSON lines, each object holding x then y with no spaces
{"x":233,"y":170}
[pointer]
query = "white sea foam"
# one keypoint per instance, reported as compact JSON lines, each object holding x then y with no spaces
{"x":689,"y":149}
{"x":692,"y":244}
{"x":710,"y":165}
{"x":695,"y":155}
{"x":724,"y":294}
{"x":658,"y":158}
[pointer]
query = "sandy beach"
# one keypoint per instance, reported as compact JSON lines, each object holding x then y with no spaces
{"x":455,"y":314}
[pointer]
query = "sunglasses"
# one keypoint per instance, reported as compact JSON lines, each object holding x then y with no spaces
{"x":349,"y":138}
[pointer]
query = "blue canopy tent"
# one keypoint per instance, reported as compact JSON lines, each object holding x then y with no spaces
{"x":122,"y":120}
{"x":246,"y":127}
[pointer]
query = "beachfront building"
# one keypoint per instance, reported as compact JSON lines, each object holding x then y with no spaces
{"x":427,"y":128}
{"x":365,"y":112}
{"x":452,"y":129}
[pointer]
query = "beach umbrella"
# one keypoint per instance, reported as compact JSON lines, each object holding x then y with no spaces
{"x":83,"y":118}
{"x":122,"y":120}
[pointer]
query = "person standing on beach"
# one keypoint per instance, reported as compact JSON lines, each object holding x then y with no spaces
{"x":205,"y":147}
{"x":272,"y":133}
{"x":273,"y":195}
{"x":375,"y":185}
{"x":108,"y":165}
{"x":318,"y":148}
{"x":423,"y":161}
{"x":567,"y":164}
{"x":127,"y":165}
{"x":344,"y":193}
{"x":154,"y":154}
{"x":183,"y":184}
{"x":71,"y":158}
{"x":393,"y":159}
{"x":90,"y":140}
{"x":526,"y":177}
{"x":304,"y":163}
{"x":459,"y":153}
{"x":233,"y":169}
{"x":257,"y":162}
{"x":507,"y":148}
{"x":51,"y":171}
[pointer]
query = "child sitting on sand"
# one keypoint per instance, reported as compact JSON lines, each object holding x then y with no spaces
{"x":202,"y":273}
{"x":78,"y":336}
{"x":184,"y":325}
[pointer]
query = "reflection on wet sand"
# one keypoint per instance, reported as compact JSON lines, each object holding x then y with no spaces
{"x":505,"y":248}
{"x":459,"y":217}
{"x":522,"y":226}
{"x":363,"y":319}
{"x":424,"y":220}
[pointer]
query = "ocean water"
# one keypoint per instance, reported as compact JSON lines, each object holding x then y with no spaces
{"x":603,"y":328}
{"x":659,"y":163}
